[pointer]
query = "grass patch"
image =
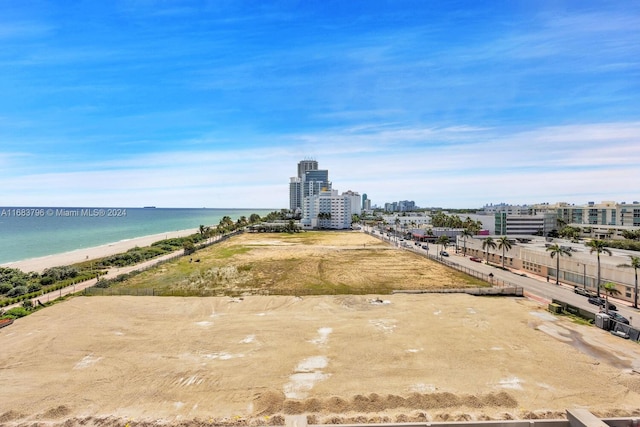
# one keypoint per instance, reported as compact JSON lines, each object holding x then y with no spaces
{"x":299,"y":264}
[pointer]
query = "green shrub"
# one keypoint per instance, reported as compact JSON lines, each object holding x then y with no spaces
{"x":5,"y":288}
{"x":61,"y":273}
{"x":16,"y":312}
{"x":17,"y":291}
{"x":34,"y":287}
{"x":629,"y":245}
{"x":46,"y":280}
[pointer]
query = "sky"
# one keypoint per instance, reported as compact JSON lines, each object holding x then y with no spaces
{"x":454,"y":104}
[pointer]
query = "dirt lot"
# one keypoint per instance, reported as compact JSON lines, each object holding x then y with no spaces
{"x":113,"y":361}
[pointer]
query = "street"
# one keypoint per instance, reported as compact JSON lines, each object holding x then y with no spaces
{"x":531,"y":283}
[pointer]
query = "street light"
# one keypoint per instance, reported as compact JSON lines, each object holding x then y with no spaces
{"x":584,"y":275}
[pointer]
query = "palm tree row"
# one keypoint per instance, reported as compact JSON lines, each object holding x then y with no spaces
{"x":489,"y":243}
{"x":441,"y":219}
{"x":323,"y":219}
{"x":227,"y":225}
{"x":595,"y":246}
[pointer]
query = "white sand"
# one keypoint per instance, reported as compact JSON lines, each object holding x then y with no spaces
{"x":79,"y":255}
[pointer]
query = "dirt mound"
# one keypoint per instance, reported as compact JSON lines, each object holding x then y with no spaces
{"x":10,"y":416}
{"x":55,"y":413}
{"x":273,"y":402}
{"x":268,"y":403}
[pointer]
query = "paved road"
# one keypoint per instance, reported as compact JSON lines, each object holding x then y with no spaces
{"x":548,"y":290}
{"x":532,"y":283}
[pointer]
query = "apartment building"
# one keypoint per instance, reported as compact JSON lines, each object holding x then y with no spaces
{"x":604,"y":220}
{"x":327,"y":209}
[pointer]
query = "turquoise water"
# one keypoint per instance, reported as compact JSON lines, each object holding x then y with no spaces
{"x":34,"y":232}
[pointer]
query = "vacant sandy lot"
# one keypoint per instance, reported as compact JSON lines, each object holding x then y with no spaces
{"x":113,"y":360}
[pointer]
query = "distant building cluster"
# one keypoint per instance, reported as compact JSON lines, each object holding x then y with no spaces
{"x":401,"y":206}
{"x":606,"y":219}
{"x":320,"y":206}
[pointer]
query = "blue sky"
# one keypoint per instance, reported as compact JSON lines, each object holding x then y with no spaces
{"x":195,"y":103}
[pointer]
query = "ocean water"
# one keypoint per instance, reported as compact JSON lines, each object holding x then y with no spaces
{"x":34,"y":232}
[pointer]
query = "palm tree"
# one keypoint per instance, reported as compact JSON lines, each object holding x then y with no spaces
{"x":397,"y":222}
{"x":635,"y":264}
{"x":323,"y":217}
{"x":466,"y":233}
{"x":609,"y":289}
{"x":598,"y":246}
{"x":487,"y":244}
{"x":444,"y":241}
{"x":557,"y":251}
{"x":504,"y":244}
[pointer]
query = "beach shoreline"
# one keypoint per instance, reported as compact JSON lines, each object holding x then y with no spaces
{"x":40,"y":264}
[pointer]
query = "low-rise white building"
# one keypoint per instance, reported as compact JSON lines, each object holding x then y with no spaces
{"x":407,"y":221}
{"x":327,"y":209}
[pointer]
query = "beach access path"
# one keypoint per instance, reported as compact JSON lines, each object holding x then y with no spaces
{"x":111,"y":273}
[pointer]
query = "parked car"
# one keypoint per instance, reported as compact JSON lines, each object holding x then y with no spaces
{"x":582,"y":291}
{"x":444,"y":253}
{"x":619,"y":318}
{"x":475,"y":259}
{"x":601,"y":302}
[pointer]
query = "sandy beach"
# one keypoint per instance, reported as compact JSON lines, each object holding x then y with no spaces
{"x":66,"y":258}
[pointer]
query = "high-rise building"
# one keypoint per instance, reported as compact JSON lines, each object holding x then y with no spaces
{"x":310,"y":180}
{"x":354,"y":200}
{"x":311,"y":194}
{"x":295,"y":193}
{"x":306,"y":165}
{"x":315,"y":181}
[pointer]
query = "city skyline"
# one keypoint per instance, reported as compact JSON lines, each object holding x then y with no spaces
{"x":192,"y":104}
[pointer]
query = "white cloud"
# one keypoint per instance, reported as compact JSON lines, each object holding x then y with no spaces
{"x":471,"y":167}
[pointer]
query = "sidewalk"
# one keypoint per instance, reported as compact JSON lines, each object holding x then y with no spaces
{"x":552,"y":281}
{"x":111,"y":274}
